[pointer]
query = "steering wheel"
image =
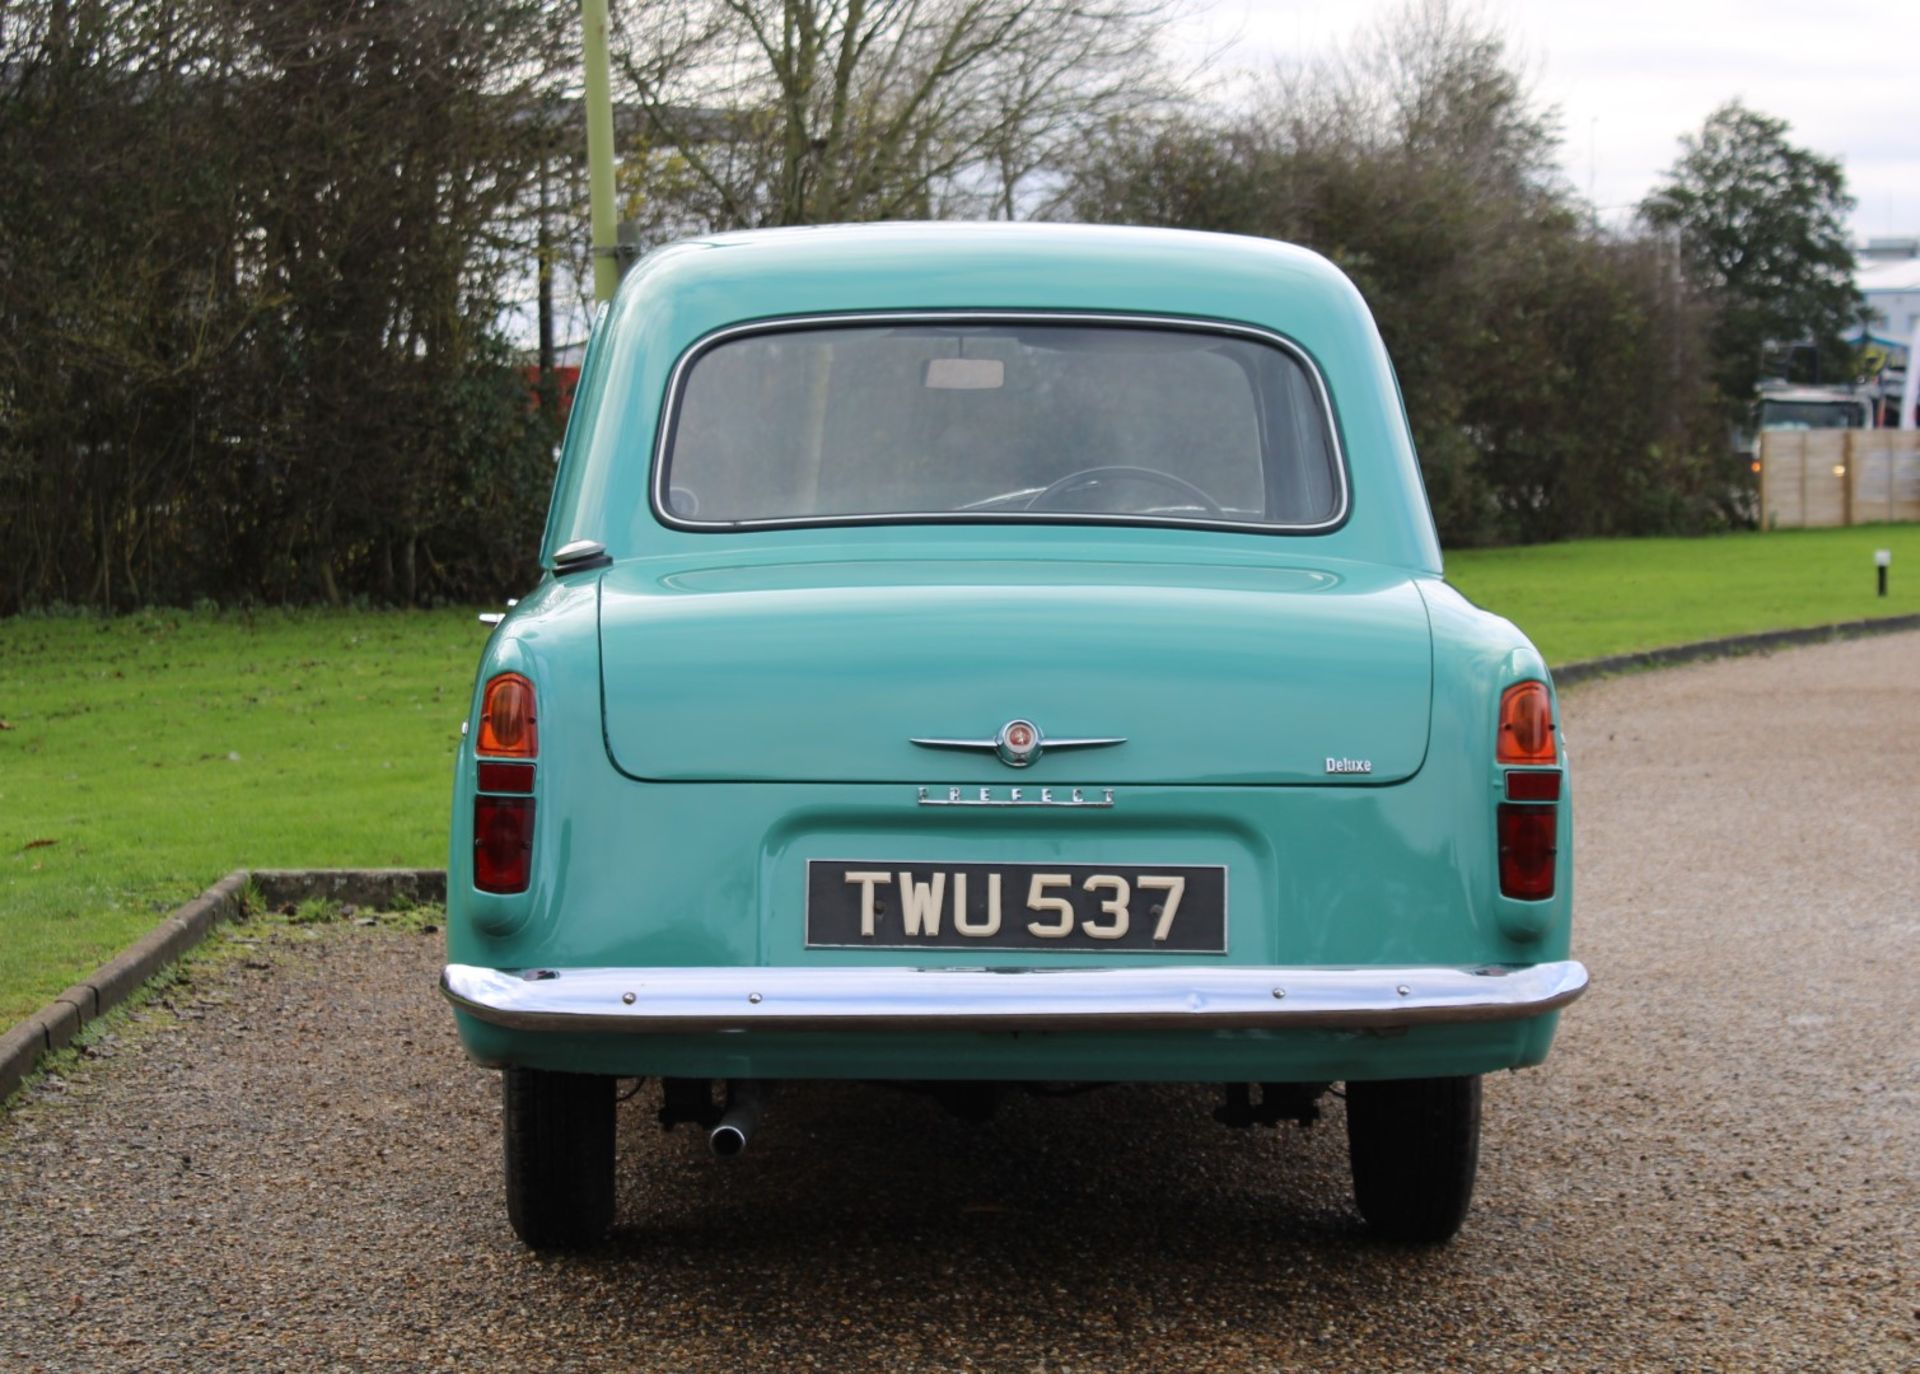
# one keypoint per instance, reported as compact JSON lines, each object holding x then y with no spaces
{"x":1087,"y":476}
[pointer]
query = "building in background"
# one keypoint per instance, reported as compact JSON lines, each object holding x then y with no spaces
{"x":1889,"y":279}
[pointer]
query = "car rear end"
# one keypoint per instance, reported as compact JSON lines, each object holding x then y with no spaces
{"x":823,"y":897}
{"x":911,"y":750}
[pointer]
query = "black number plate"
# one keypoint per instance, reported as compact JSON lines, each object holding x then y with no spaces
{"x":1117,"y":908}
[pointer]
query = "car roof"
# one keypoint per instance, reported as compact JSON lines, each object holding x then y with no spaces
{"x":910,"y":251}
{"x":686,"y":292}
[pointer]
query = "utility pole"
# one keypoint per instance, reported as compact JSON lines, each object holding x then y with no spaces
{"x":606,"y":246}
{"x":549,"y":391}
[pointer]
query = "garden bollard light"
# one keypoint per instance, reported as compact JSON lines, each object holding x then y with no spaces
{"x":1882,"y":560}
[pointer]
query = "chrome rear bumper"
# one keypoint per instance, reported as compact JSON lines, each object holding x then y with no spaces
{"x":869,"y":997}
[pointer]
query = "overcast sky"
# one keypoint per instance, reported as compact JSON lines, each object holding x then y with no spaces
{"x":1630,"y":76}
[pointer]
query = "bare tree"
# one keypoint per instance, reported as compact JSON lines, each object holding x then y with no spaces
{"x":1554,"y":375}
{"x":768,"y":112}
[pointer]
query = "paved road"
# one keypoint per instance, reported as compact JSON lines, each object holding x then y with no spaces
{"x":1720,"y":1168}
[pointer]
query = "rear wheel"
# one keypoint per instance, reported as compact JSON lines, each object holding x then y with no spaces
{"x":1415,"y":1145}
{"x":559,"y":1133}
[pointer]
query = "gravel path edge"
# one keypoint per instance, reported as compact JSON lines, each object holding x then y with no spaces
{"x":55,"y":1025}
{"x":1586,"y":669}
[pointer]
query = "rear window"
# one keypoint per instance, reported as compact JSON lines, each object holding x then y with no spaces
{"x":984,"y":419}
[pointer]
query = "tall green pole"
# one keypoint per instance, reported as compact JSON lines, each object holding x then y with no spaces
{"x":606,"y":261}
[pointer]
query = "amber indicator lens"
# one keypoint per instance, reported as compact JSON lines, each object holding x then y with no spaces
{"x":1526,"y":724}
{"x":1527,"y":849}
{"x":502,"y":843}
{"x":507,"y":723}
{"x":506,"y":777}
{"x":1533,"y":787}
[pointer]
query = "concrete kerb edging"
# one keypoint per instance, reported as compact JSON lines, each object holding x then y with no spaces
{"x":373,"y":888}
{"x":55,"y":1025}
{"x":1587,"y":669}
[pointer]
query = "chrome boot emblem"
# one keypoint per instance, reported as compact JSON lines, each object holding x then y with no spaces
{"x":1020,"y":743}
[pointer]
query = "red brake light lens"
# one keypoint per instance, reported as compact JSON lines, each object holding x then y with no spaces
{"x":1526,"y":725}
{"x":1528,"y":843}
{"x":502,"y":843}
{"x":507,"y":718}
{"x":506,"y":777}
{"x":1529,"y":787}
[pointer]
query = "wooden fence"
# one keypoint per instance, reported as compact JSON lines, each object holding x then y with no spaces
{"x":1838,"y":477}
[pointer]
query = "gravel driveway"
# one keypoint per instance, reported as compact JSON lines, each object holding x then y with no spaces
{"x":1719,"y":1168}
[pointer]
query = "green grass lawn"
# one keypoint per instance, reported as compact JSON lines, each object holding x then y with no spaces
{"x":1607,"y":596}
{"x":151,"y":754}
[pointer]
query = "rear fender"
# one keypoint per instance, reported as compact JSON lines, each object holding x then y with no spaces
{"x":551,"y":639}
{"x":1477,"y":656}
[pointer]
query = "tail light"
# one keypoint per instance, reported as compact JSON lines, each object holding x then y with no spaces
{"x":1526,"y":725}
{"x":516,"y":778}
{"x":1528,"y":844}
{"x":1529,"y":831}
{"x":1525,"y":787}
{"x":503,"y":805}
{"x":508,"y":725}
{"x":502,"y":843}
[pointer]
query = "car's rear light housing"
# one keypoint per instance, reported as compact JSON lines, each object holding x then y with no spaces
{"x":1527,"y":820}
{"x":503,"y":803}
{"x":502,"y":843}
{"x":1526,"y":726}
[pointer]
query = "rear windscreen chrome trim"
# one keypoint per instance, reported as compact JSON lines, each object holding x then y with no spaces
{"x":1191,"y":324}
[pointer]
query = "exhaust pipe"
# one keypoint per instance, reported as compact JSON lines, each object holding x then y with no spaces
{"x":746,"y":1099}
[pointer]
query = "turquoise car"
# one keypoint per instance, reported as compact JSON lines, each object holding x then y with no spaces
{"x":990,"y":658}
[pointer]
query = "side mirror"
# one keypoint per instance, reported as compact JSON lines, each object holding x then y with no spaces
{"x":579,"y":556}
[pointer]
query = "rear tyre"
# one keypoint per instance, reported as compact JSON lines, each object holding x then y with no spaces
{"x":558,"y":1130}
{"x":1415,"y":1145}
